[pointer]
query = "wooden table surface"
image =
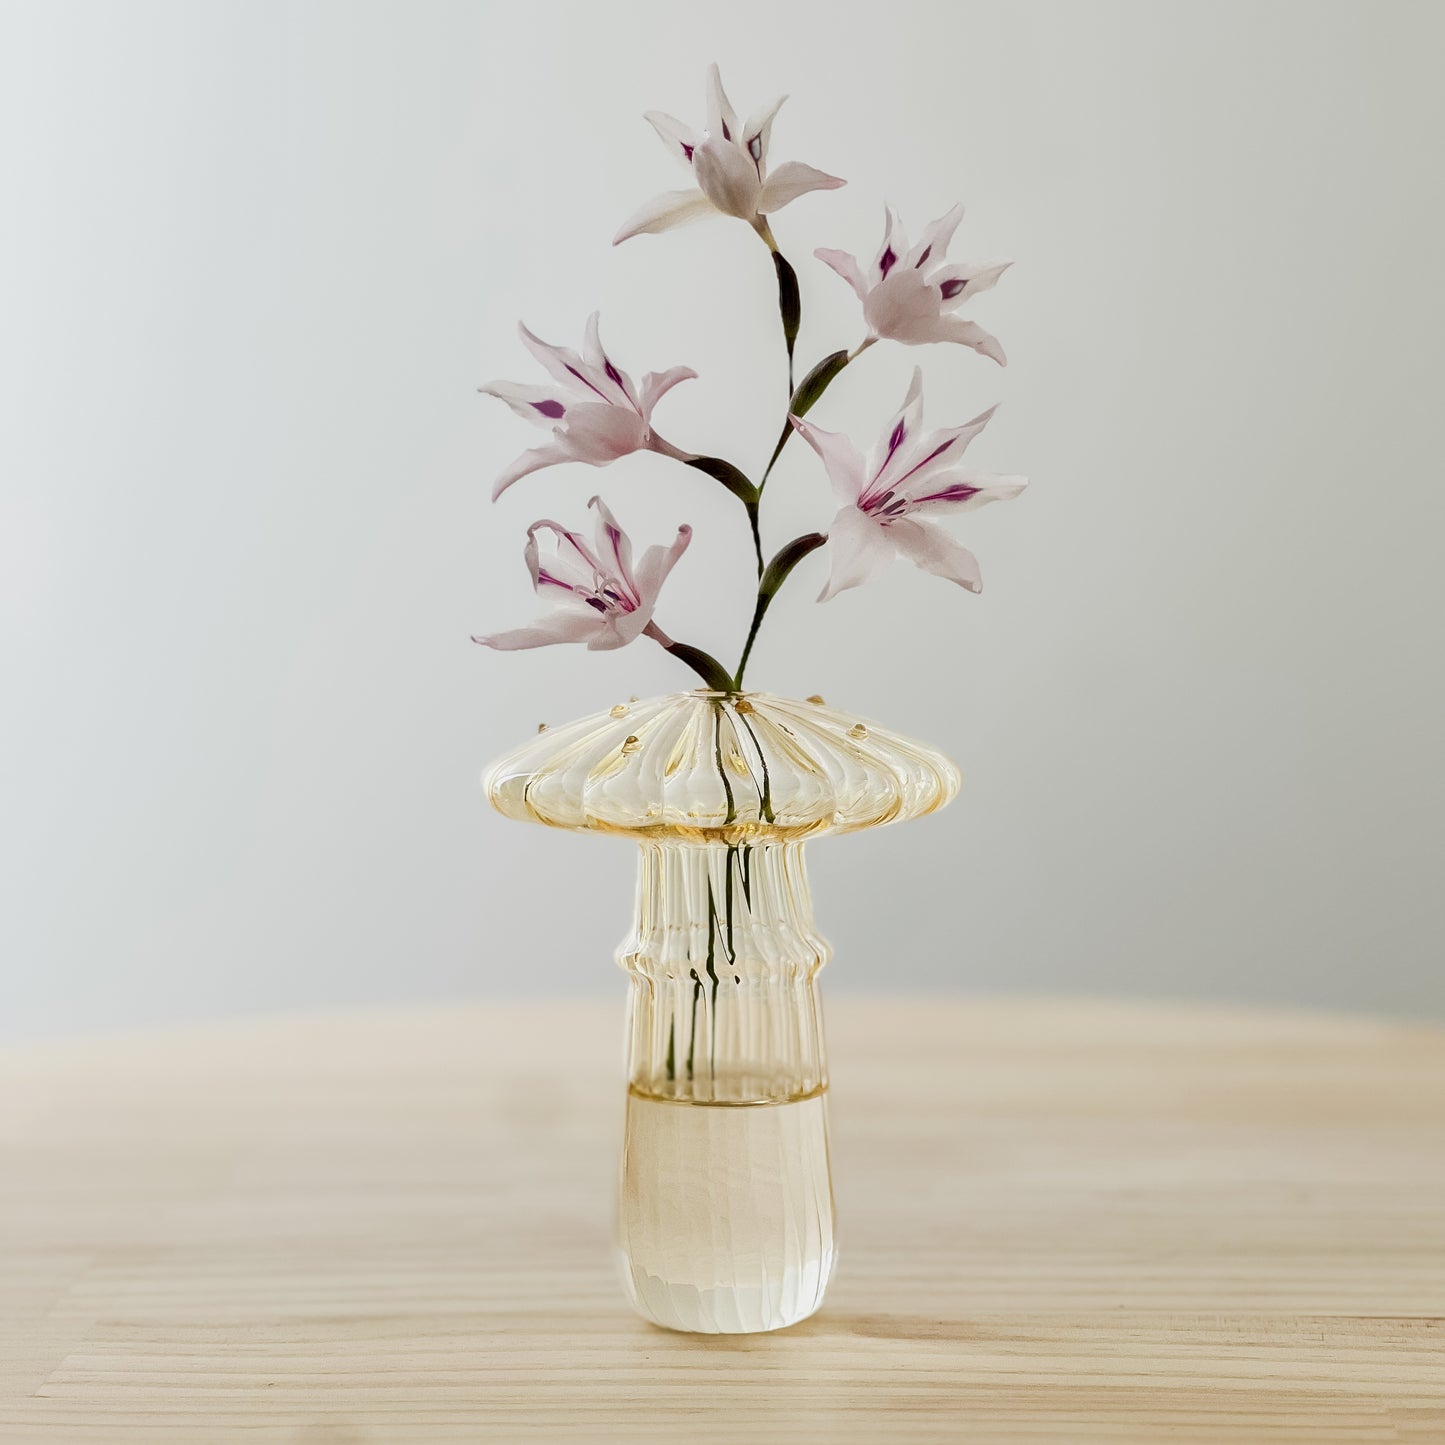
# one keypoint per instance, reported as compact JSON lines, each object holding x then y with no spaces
{"x":1060,"y":1222}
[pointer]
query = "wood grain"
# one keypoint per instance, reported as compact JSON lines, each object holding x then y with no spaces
{"x":1061,"y":1222}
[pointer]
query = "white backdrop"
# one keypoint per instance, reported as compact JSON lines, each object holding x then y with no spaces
{"x":256,"y":259}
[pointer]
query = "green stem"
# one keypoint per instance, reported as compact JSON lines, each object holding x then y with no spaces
{"x":757,"y":534}
{"x":775,"y":574}
{"x":707,"y":667}
{"x":729,"y":476}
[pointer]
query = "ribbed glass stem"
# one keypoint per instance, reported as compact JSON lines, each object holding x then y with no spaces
{"x":724,"y":962}
{"x":725,"y":1213}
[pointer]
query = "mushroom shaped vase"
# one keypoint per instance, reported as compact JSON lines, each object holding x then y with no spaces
{"x":725,"y":1217}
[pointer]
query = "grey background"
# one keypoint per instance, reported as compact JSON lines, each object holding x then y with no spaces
{"x":256,"y":258}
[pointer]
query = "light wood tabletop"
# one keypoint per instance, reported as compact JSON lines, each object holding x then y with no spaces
{"x":1059,"y":1222}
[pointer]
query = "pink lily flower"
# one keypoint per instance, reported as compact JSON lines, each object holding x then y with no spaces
{"x":595,"y":412}
{"x":597,"y":597}
{"x":728,"y":162}
{"x":888,"y":497}
{"x":910,"y":295}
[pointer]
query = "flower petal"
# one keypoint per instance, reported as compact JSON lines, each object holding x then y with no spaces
{"x":893,"y":249}
{"x":656,"y":385}
{"x":529,"y":462}
{"x":559,"y":626}
{"x":570,"y":566}
{"x":722,"y":120}
{"x":903,"y":307}
{"x":652,"y":570}
{"x":933,"y":243}
{"x":860,"y":551}
{"x":592,"y":342}
{"x":544,"y":405}
{"x":961,"y":436}
{"x":928,"y":546}
{"x":791,"y":180}
{"x":598,"y":432}
{"x":847,"y":267}
{"x":958,"y":284}
{"x":616,"y":629}
{"x":613,"y":383}
{"x":960,"y":491}
{"x":559,"y":361}
{"x":918,"y":466}
{"x":970,"y":334}
{"x":899,"y":446}
{"x":757,"y":131}
{"x":662,"y":213}
{"x":614,"y":547}
{"x":841,"y":459}
{"x":680,"y":139}
{"x":728,"y":177}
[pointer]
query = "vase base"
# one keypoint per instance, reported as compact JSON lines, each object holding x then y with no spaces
{"x":725,"y":1222}
{"x":696,"y":1311}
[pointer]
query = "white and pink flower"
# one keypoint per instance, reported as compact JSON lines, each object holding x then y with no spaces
{"x":594,"y":411}
{"x":729,"y":165}
{"x":889,"y":497}
{"x":911,"y":295}
{"x":597,"y":596}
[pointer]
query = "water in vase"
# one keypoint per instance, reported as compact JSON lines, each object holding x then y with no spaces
{"x":725,"y":1214}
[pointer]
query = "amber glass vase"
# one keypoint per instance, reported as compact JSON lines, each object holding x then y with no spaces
{"x":725,"y":1220}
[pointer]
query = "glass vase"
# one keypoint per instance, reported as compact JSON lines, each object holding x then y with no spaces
{"x":725,"y":1218}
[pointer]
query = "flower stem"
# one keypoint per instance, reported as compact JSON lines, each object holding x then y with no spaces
{"x":757,"y":534}
{"x":728,"y":475}
{"x":769,"y":584}
{"x":707,"y":667}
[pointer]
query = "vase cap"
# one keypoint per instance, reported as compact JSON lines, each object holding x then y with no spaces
{"x":708,"y":767}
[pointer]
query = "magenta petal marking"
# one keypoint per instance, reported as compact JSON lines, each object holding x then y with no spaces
{"x":959,"y":492}
{"x":927,"y":252}
{"x":613,"y":373}
{"x":887,"y":260}
{"x":952,"y":287}
{"x":584,"y":380}
{"x":938,"y":451}
{"x":687,"y":151}
{"x":896,"y":440}
{"x":553,"y":409}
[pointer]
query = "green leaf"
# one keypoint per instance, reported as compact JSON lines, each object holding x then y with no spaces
{"x":707,"y":667}
{"x":774,"y":575}
{"x":729,"y":476}
{"x":776,"y":572}
{"x":817,"y":382}
{"x":790,"y":305}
